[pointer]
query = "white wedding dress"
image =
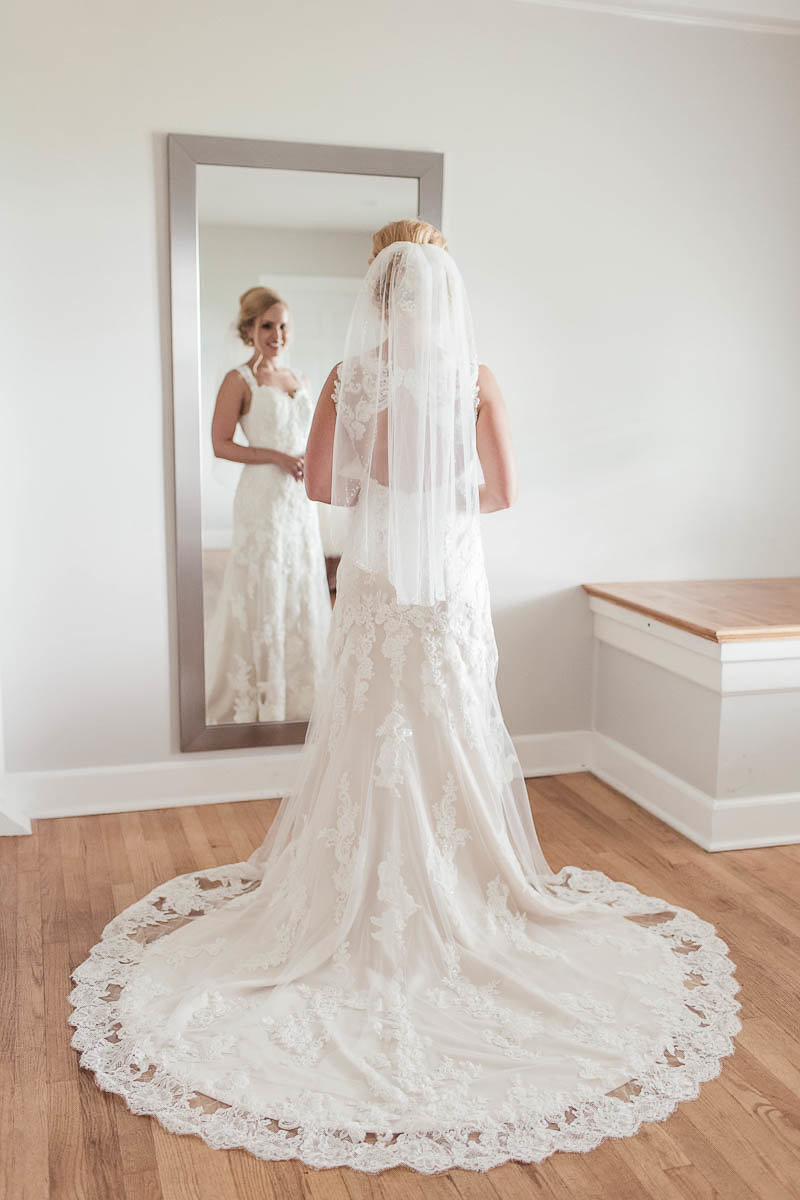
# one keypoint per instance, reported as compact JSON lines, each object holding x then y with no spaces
{"x":395,"y":976}
{"x":392,"y":976}
{"x":266,"y":639}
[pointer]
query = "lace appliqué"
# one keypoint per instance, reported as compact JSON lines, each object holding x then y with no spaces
{"x":266,"y":636}
{"x":343,"y":841}
{"x":400,"y":906}
{"x":528,"y":1125}
{"x":441,"y":866}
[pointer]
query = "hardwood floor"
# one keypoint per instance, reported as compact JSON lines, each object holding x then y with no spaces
{"x":62,"y":1137}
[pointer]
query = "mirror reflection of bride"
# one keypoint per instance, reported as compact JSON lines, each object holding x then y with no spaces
{"x":266,"y":639}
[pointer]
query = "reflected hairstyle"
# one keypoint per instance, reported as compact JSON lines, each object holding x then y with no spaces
{"x":252,"y":304}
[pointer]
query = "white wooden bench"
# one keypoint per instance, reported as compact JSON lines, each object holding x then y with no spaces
{"x":696,"y":705}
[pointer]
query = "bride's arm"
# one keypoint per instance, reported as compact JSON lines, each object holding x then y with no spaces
{"x":229,"y":408}
{"x":495,"y":452}
{"x":319,"y":450}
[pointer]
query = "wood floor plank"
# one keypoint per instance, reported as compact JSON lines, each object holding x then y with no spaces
{"x":170,"y":832}
{"x":361,"y":1186}
{"x":705,"y":1152}
{"x":617,"y":1177}
{"x":143,"y":1186}
{"x":188,"y":1169}
{"x":29,"y":1137}
{"x":196,"y":838}
{"x":62,"y":1060}
{"x":98,"y":872}
{"x":691,"y":1184}
{"x":54,"y":905}
{"x":119,"y":865}
{"x":91,"y":1114}
{"x":12,"y":952}
{"x":520,"y":1181}
{"x":216,"y":831}
{"x":144,"y":874}
{"x":161,"y":853}
{"x":650,"y":1157}
{"x":237,"y":827}
{"x":136,"y":1151}
{"x":254,"y":1177}
{"x":324,"y":1185}
{"x":727,"y":1127}
{"x":766,"y":1101}
{"x":478,"y":1185}
{"x":773,"y":1049}
{"x":67,"y":1165}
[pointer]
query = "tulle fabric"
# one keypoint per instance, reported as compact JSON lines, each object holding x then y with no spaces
{"x":406,"y":418}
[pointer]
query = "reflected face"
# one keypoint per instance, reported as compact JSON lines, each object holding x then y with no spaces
{"x":271,"y":332}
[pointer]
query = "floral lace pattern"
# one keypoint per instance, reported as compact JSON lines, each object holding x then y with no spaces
{"x":266,"y":639}
{"x":395,"y":976}
{"x":529,"y":1123}
{"x":359,"y":428}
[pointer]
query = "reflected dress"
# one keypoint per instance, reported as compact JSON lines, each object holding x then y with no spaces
{"x":267,"y":637}
{"x":395,"y":976}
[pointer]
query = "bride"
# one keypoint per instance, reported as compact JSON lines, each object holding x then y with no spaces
{"x":395,"y":976}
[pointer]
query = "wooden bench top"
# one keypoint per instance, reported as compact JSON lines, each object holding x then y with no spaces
{"x":722,"y":610}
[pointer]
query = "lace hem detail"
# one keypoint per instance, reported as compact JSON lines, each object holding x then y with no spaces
{"x":527,"y":1129}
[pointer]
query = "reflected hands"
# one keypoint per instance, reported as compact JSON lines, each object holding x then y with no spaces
{"x":292,"y":464}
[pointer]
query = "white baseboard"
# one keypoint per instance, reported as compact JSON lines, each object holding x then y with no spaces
{"x":195,"y":779}
{"x":554,"y":753}
{"x":665,"y":795}
{"x":217,"y":777}
{"x":12,"y":820}
{"x":714,"y":824}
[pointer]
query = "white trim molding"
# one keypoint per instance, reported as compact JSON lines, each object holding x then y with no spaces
{"x":194,"y":779}
{"x":713,"y":823}
{"x":220,"y":776}
{"x":12,"y":821}
{"x":729,"y":668}
{"x":751,"y":16}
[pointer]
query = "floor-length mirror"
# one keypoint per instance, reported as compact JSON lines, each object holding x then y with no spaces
{"x":269,"y":244}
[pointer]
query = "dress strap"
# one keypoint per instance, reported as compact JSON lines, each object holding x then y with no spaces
{"x":248,"y":376}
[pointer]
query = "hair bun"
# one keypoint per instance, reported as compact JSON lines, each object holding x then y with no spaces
{"x":252,"y":303}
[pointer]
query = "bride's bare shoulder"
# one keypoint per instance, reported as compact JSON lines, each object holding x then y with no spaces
{"x":488,"y":387}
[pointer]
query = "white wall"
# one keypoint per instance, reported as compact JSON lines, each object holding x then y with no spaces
{"x":622,"y":197}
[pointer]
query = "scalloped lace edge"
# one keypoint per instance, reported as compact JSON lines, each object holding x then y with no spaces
{"x":151,"y":1091}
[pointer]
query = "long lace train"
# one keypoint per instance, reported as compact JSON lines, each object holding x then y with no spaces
{"x":395,"y":976}
{"x":528,"y":1126}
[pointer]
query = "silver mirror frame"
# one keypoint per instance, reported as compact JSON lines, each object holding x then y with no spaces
{"x":185,"y":152}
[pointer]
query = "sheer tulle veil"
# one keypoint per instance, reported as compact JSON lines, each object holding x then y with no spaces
{"x":404,"y":448}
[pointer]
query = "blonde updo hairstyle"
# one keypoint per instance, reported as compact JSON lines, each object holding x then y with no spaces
{"x":421,"y":232}
{"x":253,"y":304}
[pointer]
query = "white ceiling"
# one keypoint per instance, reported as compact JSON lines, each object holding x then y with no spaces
{"x":770,"y":16}
{"x":301,"y":199}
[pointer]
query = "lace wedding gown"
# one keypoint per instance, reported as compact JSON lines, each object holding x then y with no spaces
{"x":266,"y":640}
{"x":394,"y":976}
